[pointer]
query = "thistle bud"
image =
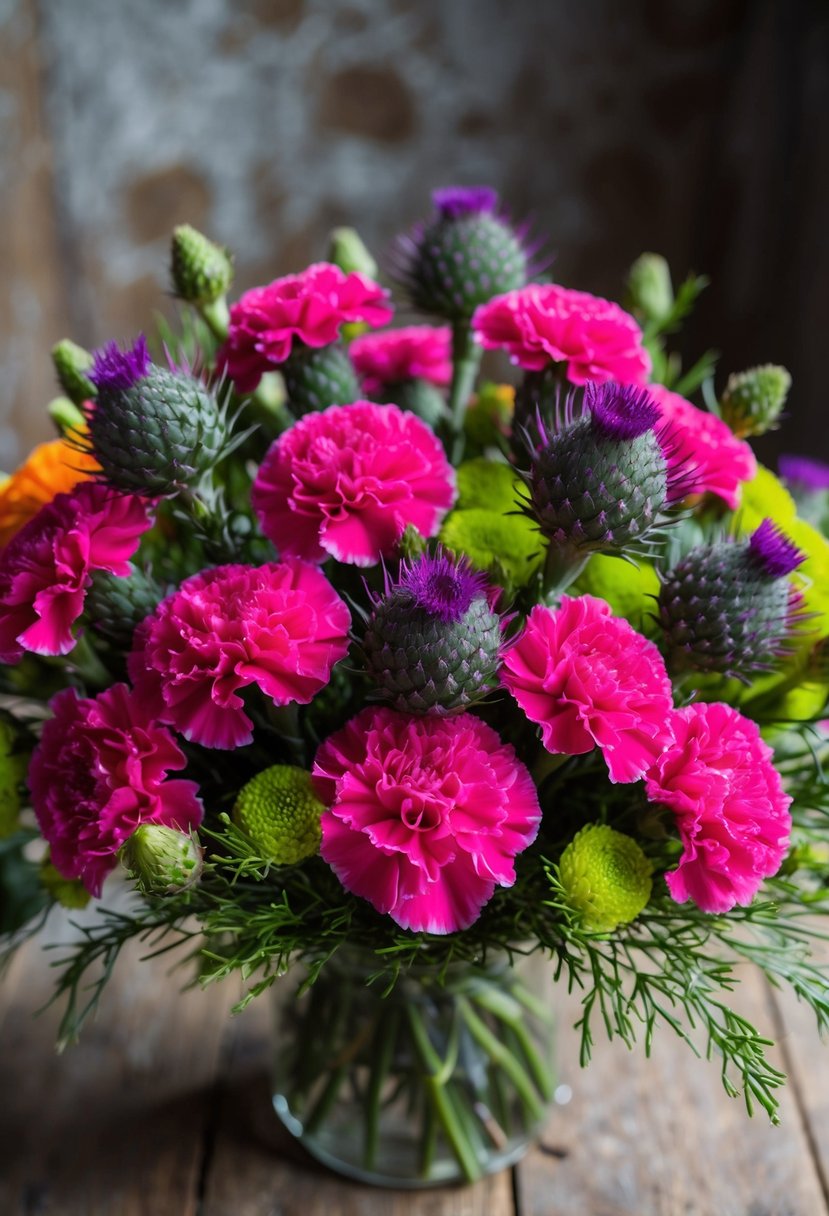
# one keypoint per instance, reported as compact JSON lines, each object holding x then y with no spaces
{"x":279,"y":811}
{"x":432,"y":643}
{"x":152,"y":430}
{"x":316,"y":377}
{"x":200,"y":271}
{"x":346,"y":250}
{"x":606,"y":877}
{"x":600,"y":482}
{"x":161,"y":860}
{"x":116,"y":606}
{"x":463,"y":256}
{"x":753,"y":400}
{"x":71,"y":363}
{"x":650,"y":288}
{"x":730,"y":607}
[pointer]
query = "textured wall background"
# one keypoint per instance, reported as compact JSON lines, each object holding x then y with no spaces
{"x":699,"y":128}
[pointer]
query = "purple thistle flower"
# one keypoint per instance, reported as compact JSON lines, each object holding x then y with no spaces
{"x":452,"y":202}
{"x":804,"y":473}
{"x":442,"y":587}
{"x":116,"y":370}
{"x":621,"y":411}
{"x":773,"y":551}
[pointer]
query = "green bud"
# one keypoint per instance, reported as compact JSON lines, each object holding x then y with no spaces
{"x":162,"y":860}
{"x":280,"y":812}
{"x":14,"y":763}
{"x":650,"y":287}
{"x":71,"y":362}
{"x":411,"y":544}
{"x":346,"y":250}
{"x":753,"y":400}
{"x":606,"y":877}
{"x":69,"y":892}
{"x":66,"y":415}
{"x":201,"y":271}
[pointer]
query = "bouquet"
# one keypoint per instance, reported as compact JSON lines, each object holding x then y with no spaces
{"x":375,"y":677}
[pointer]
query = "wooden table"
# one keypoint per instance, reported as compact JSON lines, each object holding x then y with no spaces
{"x":163,"y":1110}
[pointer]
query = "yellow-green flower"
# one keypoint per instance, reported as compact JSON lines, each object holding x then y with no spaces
{"x":280,"y":812}
{"x":630,"y":590}
{"x":605,"y":876}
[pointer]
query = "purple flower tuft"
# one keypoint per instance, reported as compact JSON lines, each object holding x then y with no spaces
{"x":804,"y":473}
{"x":773,"y":551}
{"x":452,"y":202}
{"x":115,"y":369}
{"x":442,"y":587}
{"x":621,"y":411}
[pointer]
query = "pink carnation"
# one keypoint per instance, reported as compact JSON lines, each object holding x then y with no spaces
{"x":590,"y":680}
{"x":309,"y":307}
{"x":346,"y":482}
{"x":701,"y":449}
{"x":595,"y":338}
{"x":418,"y":352}
{"x":45,"y":570}
{"x":279,"y":626}
{"x":426,"y":815}
{"x":730,"y":807}
{"x":98,"y":772}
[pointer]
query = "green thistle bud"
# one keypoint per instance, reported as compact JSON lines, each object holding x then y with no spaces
{"x":418,"y":397}
{"x":153,"y":431}
{"x":605,"y":876}
{"x":201,"y":271}
{"x":753,"y":400}
{"x":432,"y":643}
{"x":71,"y":364}
{"x":280,"y":812}
{"x":650,"y":288}
{"x":161,"y":860}
{"x":316,"y":377}
{"x":66,"y":416}
{"x":411,"y":544}
{"x":14,"y":763}
{"x":68,"y":892}
{"x":115,"y":606}
{"x":346,"y":250}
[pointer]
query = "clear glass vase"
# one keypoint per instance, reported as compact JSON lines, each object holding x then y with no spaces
{"x":439,"y":1077}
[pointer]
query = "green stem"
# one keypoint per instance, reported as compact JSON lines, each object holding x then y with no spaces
{"x":507,"y":1009}
{"x":466,"y":359}
{"x":501,"y":1056}
{"x":382,"y":1056}
{"x":217,"y":316}
{"x":561,"y":568}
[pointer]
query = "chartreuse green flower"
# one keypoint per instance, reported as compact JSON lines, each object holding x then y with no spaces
{"x":487,"y":526}
{"x":14,"y":761}
{"x":279,"y":811}
{"x":605,"y":876}
{"x":68,"y":892}
{"x":631,"y":590}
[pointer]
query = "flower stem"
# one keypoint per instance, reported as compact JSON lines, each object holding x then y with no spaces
{"x":561,"y":568}
{"x":217,"y":317}
{"x":502,"y":1057}
{"x":382,"y":1056}
{"x":466,"y":359}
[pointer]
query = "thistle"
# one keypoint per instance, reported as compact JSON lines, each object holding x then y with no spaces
{"x":316,"y":377}
{"x":161,"y":859}
{"x":432,"y":643}
{"x":605,"y":878}
{"x":729,"y":607}
{"x":201,"y":272}
{"x":115,"y":606}
{"x":280,"y":813}
{"x":599,"y":483}
{"x":72,"y":366}
{"x":463,"y":256}
{"x":753,"y":400}
{"x":153,"y":431}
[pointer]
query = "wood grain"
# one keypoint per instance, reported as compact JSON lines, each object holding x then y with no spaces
{"x":659,"y":1137}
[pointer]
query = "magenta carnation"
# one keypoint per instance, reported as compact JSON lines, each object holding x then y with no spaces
{"x":310,"y":307}
{"x":590,"y":680}
{"x":280,"y":626}
{"x":45,"y":570}
{"x":701,"y":450}
{"x":730,"y":807}
{"x":417,"y":352}
{"x":426,"y":815}
{"x":97,"y":773}
{"x":543,"y":323}
{"x":346,"y":482}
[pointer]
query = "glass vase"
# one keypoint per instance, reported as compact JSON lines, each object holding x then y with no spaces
{"x":435,"y":1077}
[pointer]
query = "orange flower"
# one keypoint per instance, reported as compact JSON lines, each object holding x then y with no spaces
{"x":49,"y":469}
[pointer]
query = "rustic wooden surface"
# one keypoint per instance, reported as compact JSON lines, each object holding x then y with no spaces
{"x":163,"y":1110}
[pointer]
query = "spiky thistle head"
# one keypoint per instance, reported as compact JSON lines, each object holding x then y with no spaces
{"x":153,"y":430}
{"x":729,"y":607}
{"x":465,"y":254}
{"x":432,"y":641}
{"x":162,"y":860}
{"x":599,"y":481}
{"x":753,"y":400}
